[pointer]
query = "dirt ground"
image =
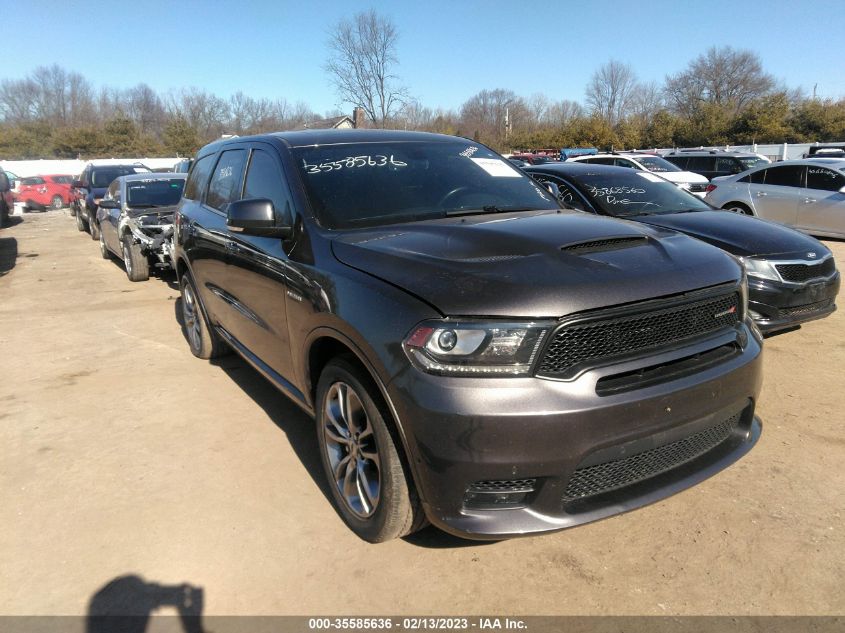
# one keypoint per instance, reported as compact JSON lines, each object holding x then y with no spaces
{"x":130,"y":466}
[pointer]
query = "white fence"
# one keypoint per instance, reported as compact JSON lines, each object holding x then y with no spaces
{"x":26,"y":168}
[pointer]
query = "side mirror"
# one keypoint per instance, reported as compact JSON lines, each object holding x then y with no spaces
{"x":553,"y":189}
{"x":109,"y":204}
{"x":78,"y":184}
{"x":256,"y":216}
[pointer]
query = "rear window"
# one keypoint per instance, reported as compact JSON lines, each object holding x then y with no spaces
{"x":657,"y":164}
{"x":35,"y":180}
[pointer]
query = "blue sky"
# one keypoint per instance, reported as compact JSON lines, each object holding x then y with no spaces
{"x":448,"y":51}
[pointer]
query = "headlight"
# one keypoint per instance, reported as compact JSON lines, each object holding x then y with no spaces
{"x":759,"y":268}
{"x":467,"y":348}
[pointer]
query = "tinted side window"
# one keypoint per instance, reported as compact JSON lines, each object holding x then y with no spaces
{"x":601,"y":161}
{"x":755,"y":177}
{"x":624,"y":162}
{"x":786,"y":176}
{"x":198,"y":178}
{"x":825,"y":179}
{"x":264,"y":179}
{"x":225,"y":185}
{"x":680,"y":161}
{"x":730,"y":165}
{"x":700,"y":163}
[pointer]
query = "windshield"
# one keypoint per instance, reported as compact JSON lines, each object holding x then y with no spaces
{"x":751,"y":161}
{"x":655,"y":163}
{"x":103,"y":176}
{"x":154,"y":193}
{"x":636,"y":193}
{"x":369,"y":184}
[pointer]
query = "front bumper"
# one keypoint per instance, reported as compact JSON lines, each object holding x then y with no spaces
{"x":776,"y":305}
{"x":462,"y":431}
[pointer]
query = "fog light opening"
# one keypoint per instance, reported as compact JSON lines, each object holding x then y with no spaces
{"x":499,"y":494}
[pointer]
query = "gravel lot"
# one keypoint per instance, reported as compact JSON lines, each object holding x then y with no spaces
{"x":126,"y":459}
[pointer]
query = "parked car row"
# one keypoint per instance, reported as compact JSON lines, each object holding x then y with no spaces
{"x":494,"y":350}
{"x":130,"y":211}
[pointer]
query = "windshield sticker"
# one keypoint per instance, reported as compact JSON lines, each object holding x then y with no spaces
{"x":610,"y":195}
{"x":353,"y":162}
{"x":648,"y":176}
{"x":496,"y":168}
{"x":469,"y":151}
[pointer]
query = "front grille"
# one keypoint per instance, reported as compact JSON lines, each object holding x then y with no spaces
{"x":579,"y":344}
{"x":802,"y":272}
{"x":504,"y":485}
{"x":599,"y":478}
{"x":805,"y":309}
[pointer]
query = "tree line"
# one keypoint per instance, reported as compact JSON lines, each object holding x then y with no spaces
{"x":724,"y":96}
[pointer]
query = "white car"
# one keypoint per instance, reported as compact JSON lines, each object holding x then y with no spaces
{"x":696,"y":184}
{"x":807,"y":194}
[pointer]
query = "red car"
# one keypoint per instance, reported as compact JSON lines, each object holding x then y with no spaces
{"x":45,"y":192}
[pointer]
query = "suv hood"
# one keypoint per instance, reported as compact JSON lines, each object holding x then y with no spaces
{"x":682,"y":177}
{"x":739,"y":234}
{"x":533,"y":265}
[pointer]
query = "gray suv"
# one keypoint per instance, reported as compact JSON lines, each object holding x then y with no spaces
{"x":713,"y":163}
{"x":473,"y":355}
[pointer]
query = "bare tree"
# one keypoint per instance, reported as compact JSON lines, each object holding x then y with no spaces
{"x":360,"y":66}
{"x":491,"y":115}
{"x":562,"y":113}
{"x":609,"y":91}
{"x":724,"y":77}
{"x":145,"y":109}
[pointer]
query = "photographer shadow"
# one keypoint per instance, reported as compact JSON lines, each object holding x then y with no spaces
{"x":126,"y":604}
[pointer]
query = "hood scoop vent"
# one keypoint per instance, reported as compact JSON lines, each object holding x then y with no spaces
{"x":608,"y":244}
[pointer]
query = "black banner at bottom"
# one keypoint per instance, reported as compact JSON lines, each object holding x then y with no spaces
{"x":415,"y":624}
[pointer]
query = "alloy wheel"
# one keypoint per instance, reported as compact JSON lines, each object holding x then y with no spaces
{"x":351,"y":449}
{"x":191,"y":316}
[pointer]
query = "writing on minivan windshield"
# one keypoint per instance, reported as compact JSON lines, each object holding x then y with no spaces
{"x":351,"y":162}
{"x":637,"y":192}
{"x":354,"y":185}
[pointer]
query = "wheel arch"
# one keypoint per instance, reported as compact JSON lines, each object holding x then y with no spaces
{"x":325,"y":344}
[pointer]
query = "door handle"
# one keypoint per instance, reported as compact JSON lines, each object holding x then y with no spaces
{"x":761,"y":194}
{"x":809,"y":200}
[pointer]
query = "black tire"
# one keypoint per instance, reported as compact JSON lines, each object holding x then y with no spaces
{"x":370,"y":451}
{"x":136,"y":263}
{"x":738,"y":207}
{"x":104,"y":250}
{"x":202,"y":339}
{"x":5,"y":214}
{"x":94,"y":229}
{"x":57,"y":202}
{"x":81,"y":225}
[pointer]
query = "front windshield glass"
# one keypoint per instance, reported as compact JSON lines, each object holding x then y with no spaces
{"x":102,"y":176}
{"x":154,"y":193}
{"x":636,"y":193}
{"x":655,"y":163}
{"x":354,"y":185}
{"x":752,"y":161}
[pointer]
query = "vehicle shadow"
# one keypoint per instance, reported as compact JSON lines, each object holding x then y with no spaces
{"x":299,"y":429}
{"x":8,"y":254}
{"x":290,"y":419}
{"x":125,"y":604}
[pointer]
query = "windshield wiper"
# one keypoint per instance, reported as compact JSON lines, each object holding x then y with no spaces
{"x":490,"y":208}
